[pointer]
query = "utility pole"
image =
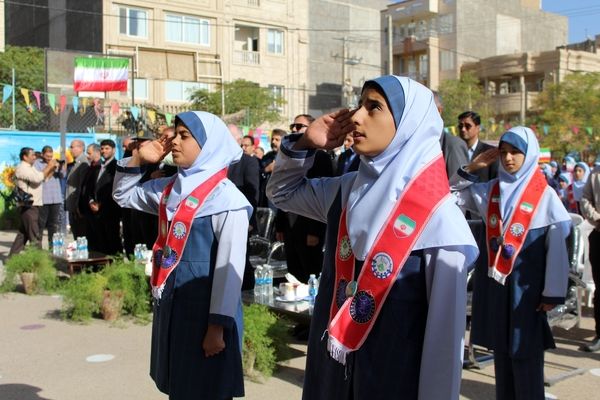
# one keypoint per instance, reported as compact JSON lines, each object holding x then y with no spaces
{"x":14,"y":111}
{"x":390,"y":41}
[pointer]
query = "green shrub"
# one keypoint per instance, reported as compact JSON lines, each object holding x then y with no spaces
{"x":36,"y":260}
{"x":266,"y":339}
{"x":83,"y":295}
{"x":132,"y":281}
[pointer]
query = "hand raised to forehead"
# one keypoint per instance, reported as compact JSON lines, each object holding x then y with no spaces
{"x":328,"y":131}
{"x":152,"y":152}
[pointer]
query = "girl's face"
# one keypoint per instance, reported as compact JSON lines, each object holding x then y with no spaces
{"x":374,"y":122}
{"x":578,"y":173}
{"x":511,"y":158}
{"x":185,"y":147}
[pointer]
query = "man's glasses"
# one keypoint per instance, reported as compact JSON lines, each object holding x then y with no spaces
{"x":297,"y":127}
{"x":465,"y":125}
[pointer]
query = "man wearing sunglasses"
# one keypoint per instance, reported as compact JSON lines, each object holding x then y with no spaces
{"x":469,"y":128}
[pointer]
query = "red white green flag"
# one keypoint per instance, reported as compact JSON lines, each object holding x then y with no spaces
{"x":101,"y":74}
{"x":544,"y":155}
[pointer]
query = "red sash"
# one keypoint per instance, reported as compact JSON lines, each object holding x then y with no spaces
{"x":356,"y":304}
{"x":168,"y":248}
{"x":571,"y":203}
{"x":503,"y":249}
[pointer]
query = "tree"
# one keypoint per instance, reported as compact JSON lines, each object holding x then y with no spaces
{"x":459,"y":95}
{"x":568,"y":114}
{"x":240,"y":95}
{"x":28,"y":63}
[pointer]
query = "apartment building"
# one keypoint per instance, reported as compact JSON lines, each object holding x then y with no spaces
{"x":514,"y":81}
{"x":178,"y":46}
{"x":432,"y":39}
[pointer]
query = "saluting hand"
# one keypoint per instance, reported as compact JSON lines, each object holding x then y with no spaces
{"x":328,"y":131}
{"x":483,"y":160}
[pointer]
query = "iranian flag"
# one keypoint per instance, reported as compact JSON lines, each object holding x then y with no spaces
{"x":404,"y":226}
{"x":101,"y":74}
{"x":544,"y":155}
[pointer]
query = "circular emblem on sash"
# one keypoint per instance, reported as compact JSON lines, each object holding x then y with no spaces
{"x":508,"y":250}
{"x":362,"y":307}
{"x":517,"y":229}
{"x":170,"y":256}
{"x":179,"y":230}
{"x":493,"y":220}
{"x":340,"y":294}
{"x":382,"y":265}
{"x":345,"y":248}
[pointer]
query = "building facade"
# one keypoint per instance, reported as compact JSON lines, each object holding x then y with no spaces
{"x":432,"y":39}
{"x":513,"y":82}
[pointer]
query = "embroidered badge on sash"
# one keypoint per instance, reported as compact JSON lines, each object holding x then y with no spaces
{"x":157,"y":258}
{"x":170,"y":258}
{"x":507,"y":251}
{"x":517,"y":229}
{"x":493,"y":220}
{"x":345,"y":248}
{"x":191,"y":202}
{"x":179,"y":230}
{"x":351,"y":288}
{"x":404,"y":226}
{"x":526,"y":207}
{"x":382,"y":265}
{"x":495,"y":244}
{"x":340,"y":295}
{"x":362,"y":307}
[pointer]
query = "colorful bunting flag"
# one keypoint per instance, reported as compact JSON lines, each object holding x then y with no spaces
{"x":575,"y":129}
{"x":151,"y":115}
{"x":135,"y":112}
{"x":52,"y":101}
{"x":6,"y":92}
{"x":63,"y":102}
{"x":36,"y":94}
{"x":169,"y":118}
{"x":25,"y":93}
{"x":75,"y":102}
{"x":546,"y":130}
{"x":589,"y":130}
{"x":114,"y":108}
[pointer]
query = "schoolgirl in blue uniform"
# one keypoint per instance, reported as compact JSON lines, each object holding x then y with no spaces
{"x":198,"y":258}
{"x":527,"y":274}
{"x":389,"y":318}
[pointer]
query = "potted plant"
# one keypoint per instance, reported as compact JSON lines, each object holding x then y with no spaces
{"x":266,"y":339}
{"x":35,"y":268}
{"x":120,"y":288}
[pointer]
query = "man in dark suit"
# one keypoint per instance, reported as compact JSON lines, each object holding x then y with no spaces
{"x":469,"y":127}
{"x":348,"y":161}
{"x":453,"y":148}
{"x":105,"y":214}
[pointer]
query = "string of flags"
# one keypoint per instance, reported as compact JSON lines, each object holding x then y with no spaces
{"x":546,"y":129}
{"x":78,"y":104}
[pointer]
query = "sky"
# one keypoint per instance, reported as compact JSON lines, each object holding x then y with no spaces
{"x":584,"y":16}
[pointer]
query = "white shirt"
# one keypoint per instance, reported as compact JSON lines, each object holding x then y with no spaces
{"x":471,"y":150}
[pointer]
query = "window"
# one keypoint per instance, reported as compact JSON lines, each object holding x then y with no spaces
{"x":447,"y":61}
{"x":446,"y":24}
{"x":275,"y":41}
{"x":277,"y":92}
{"x":181,"y":90}
{"x":133,"y":22}
{"x":186,"y":29}
{"x":140,"y":89}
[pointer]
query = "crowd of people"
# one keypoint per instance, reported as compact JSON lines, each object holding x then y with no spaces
{"x":374,"y":199}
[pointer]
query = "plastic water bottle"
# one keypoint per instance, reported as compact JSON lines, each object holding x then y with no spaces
{"x":82,"y":248}
{"x":313,"y":287}
{"x":258,"y":282}
{"x":62,"y":245}
{"x":267,"y":287}
{"x":55,"y":244}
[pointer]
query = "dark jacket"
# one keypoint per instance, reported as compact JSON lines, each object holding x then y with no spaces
{"x":342,"y":162}
{"x":245,"y":175}
{"x":455,"y":152}
{"x":489,"y":173}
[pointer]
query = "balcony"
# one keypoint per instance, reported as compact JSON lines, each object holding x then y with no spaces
{"x":413,"y":9}
{"x":246,"y":57}
{"x":510,"y":103}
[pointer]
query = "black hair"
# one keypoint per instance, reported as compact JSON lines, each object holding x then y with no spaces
{"x":309,"y":117}
{"x":108,"y":142}
{"x":248,"y":137}
{"x":46,"y":148}
{"x":24,"y":152}
{"x":279,"y":132}
{"x":471,"y":114}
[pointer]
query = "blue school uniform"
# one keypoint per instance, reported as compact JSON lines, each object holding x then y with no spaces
{"x":180,"y":322}
{"x":396,"y":340}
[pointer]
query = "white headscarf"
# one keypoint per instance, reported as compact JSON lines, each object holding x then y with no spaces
{"x":218,"y":150}
{"x":380,"y":180}
{"x":550,"y":209}
{"x":578,"y":185}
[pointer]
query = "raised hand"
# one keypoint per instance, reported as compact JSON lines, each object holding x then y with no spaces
{"x":483,"y":160}
{"x":152,"y":152}
{"x":328,"y":131}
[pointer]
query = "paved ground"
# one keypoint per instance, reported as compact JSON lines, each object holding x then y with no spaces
{"x":43,"y":357}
